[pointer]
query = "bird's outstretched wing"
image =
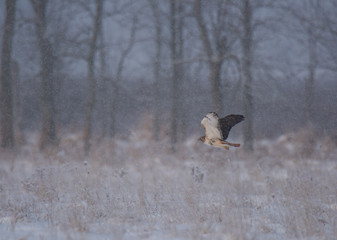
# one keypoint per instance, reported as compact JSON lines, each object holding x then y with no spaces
{"x":228,"y":122}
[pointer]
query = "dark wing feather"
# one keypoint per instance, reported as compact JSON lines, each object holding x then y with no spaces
{"x":228,"y":122}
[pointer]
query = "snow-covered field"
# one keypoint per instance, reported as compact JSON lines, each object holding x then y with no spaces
{"x":139,"y":190}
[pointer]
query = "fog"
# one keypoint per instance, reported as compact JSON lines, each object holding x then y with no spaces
{"x":280,"y":65}
{"x":117,"y":88}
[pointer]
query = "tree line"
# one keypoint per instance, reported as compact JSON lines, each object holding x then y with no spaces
{"x":160,"y":58}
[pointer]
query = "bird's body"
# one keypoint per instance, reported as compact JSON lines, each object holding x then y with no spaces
{"x":217,"y":129}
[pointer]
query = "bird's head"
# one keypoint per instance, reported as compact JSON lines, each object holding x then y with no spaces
{"x":210,"y":119}
{"x":212,"y":114}
{"x":202,"y":139}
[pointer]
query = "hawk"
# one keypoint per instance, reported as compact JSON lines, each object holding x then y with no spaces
{"x":217,"y":129}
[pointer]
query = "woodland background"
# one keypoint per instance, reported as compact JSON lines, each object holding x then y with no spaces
{"x":101,"y":67}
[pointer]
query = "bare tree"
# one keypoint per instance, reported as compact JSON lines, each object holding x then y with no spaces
{"x":247,"y":42}
{"x":156,"y":67}
{"x":305,"y":30}
{"x":215,"y":44}
{"x":309,"y":84}
{"x":91,"y":75}
{"x":313,"y":9}
{"x":327,"y":36}
{"x":176,"y":51}
{"x":103,"y":87}
{"x":253,"y":29}
{"x":17,"y":103}
{"x":116,"y":84}
{"x":6,"y":97}
{"x":48,"y":133}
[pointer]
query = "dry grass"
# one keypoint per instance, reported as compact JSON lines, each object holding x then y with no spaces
{"x":137,"y":190}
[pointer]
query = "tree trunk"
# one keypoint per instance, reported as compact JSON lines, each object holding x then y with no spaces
{"x":91,"y":76}
{"x":181,"y":72}
{"x":215,"y":72}
{"x":17,"y":104}
{"x":174,"y":86}
{"x":115,"y":100}
{"x":104,"y":86}
{"x":156,"y":70}
{"x":48,"y":132}
{"x":48,"y":135}
{"x":310,"y":81}
{"x":114,"y":103}
{"x":247,"y":75}
{"x":176,"y":49}
{"x":7,"y":119}
{"x":215,"y":57}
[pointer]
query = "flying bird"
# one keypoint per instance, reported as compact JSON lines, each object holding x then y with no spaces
{"x":217,"y":129}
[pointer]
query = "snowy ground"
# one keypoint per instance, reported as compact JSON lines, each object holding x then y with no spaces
{"x":138,"y":190}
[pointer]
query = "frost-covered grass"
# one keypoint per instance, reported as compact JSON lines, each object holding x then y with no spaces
{"x":139,"y":190}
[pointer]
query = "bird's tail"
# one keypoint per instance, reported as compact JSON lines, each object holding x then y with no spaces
{"x":231,"y":144}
